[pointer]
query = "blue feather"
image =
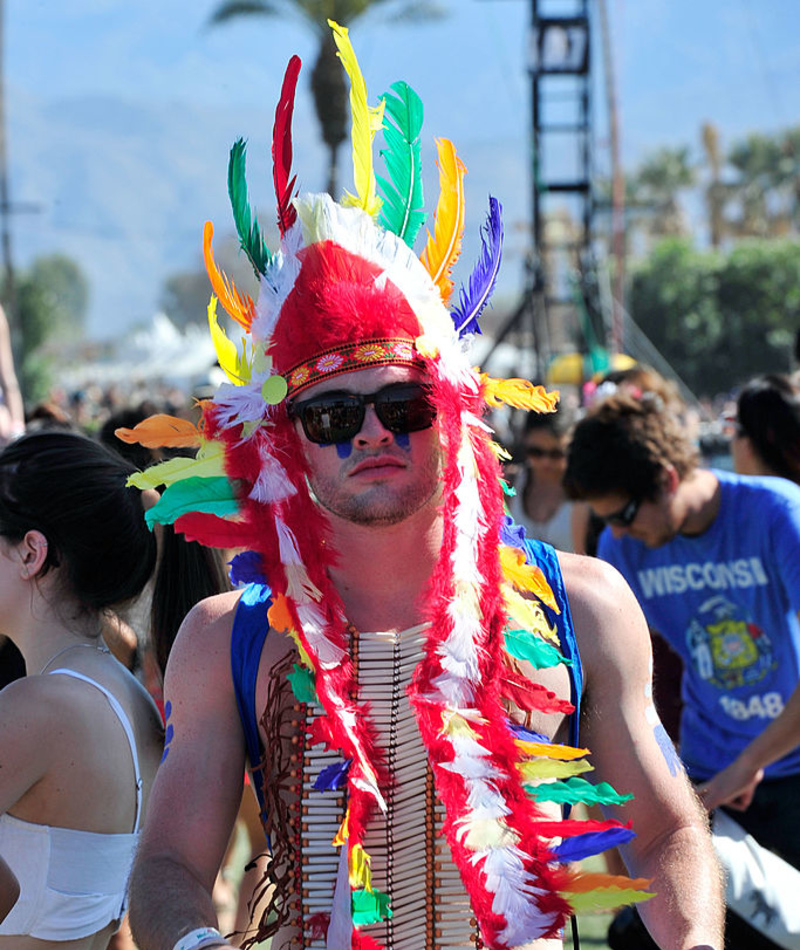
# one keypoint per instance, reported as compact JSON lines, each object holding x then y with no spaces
{"x":333,"y":776}
{"x":484,"y":276}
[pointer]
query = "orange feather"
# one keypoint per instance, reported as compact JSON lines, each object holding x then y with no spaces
{"x":160,"y":431}
{"x":444,"y":246}
{"x":240,"y":308}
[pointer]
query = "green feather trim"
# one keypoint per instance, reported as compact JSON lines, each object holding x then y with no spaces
{"x":571,"y":791}
{"x":401,"y":211}
{"x":211,"y":495}
{"x":247,"y":227}
{"x":302,"y":682}
{"x":525,"y":645}
{"x":370,"y":907}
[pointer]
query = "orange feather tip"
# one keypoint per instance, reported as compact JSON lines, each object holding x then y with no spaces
{"x":444,"y":245}
{"x":162,"y":431}
{"x":518,"y":393}
{"x":239,"y":307}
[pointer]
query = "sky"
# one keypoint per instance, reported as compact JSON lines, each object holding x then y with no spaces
{"x":120,"y":116}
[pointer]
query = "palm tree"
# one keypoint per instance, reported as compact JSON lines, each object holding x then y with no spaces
{"x":656,"y":185}
{"x":327,"y":77}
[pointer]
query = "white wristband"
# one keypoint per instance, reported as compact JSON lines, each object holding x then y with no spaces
{"x":202,"y":937}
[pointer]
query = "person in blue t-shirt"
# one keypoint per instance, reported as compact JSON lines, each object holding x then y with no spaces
{"x":714,"y":560}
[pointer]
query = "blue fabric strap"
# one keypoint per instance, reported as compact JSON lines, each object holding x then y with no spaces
{"x":250,"y":628}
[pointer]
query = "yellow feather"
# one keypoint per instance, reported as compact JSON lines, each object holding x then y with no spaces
{"x":535,"y":769}
{"x":366,"y":121}
{"x":550,"y":750}
{"x":526,"y":577}
{"x":360,"y":868}
{"x":528,"y":614}
{"x":227,"y":356}
{"x":208,"y":464}
{"x":443,"y":248}
{"x":519,"y":393}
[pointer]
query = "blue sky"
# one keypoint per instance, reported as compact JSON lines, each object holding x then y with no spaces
{"x":121,"y":114}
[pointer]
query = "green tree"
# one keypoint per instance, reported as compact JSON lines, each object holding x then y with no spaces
{"x":719,"y":319}
{"x":52,"y":299}
{"x":327,"y":77}
{"x":756,"y":161}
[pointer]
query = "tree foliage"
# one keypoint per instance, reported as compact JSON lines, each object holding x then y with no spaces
{"x":720,"y":318}
{"x":52,"y":298}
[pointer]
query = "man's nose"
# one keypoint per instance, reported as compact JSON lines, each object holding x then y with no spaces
{"x":372,"y":431}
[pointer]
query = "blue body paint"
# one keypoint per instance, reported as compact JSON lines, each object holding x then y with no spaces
{"x":344,"y":449}
{"x":168,"y":736}
{"x":668,"y":750}
{"x":403,"y":439}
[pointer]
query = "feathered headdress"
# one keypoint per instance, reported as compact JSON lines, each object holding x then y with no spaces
{"x":345,"y":292}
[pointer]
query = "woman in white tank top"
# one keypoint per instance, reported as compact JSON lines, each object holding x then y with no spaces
{"x":80,"y":739}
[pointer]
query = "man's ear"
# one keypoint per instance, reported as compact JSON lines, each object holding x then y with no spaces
{"x":32,"y":553}
{"x":669,"y":478}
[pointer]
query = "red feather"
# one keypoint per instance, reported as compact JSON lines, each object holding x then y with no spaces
{"x":282,"y":147}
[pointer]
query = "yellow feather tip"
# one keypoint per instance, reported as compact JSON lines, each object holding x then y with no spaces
{"x":519,"y":393}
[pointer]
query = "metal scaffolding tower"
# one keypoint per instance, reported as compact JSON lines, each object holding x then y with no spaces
{"x":559,"y":308}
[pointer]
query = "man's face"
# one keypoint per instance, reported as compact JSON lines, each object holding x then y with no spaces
{"x":651,"y":522}
{"x":377,"y":477}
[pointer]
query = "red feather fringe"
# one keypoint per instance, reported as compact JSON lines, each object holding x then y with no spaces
{"x":282,"y":147}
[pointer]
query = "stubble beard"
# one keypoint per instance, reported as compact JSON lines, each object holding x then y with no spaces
{"x":381,"y":505}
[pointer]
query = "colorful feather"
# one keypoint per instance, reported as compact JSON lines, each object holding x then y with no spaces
{"x":282,"y":147}
{"x":250,"y":237}
{"x":209,"y":495}
{"x":484,"y":277}
{"x":402,"y":191}
{"x":162,"y":431}
{"x":208,"y":464}
{"x":241,"y":308}
{"x":519,"y":393}
{"x":444,"y":246}
{"x":365,"y":123}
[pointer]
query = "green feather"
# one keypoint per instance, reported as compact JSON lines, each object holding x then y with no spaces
{"x":250,"y":236}
{"x":302,"y":682}
{"x":571,"y":791}
{"x":401,"y":211}
{"x":211,"y":495}
{"x":525,"y":645}
{"x":370,"y":907}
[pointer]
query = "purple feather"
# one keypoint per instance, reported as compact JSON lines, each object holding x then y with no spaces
{"x":512,"y":534}
{"x":526,"y":735}
{"x":247,"y":568}
{"x":484,"y":276}
{"x":332,"y":777}
{"x":582,"y":846}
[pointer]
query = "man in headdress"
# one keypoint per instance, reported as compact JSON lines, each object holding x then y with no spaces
{"x":403,"y":670}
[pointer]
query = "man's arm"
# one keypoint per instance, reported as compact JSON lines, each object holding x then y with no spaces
{"x":631,"y":750}
{"x":198,"y":787}
{"x":736,"y":784}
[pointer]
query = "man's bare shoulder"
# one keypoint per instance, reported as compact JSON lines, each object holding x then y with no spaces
{"x":609,"y":625}
{"x":592,"y":585}
{"x":209,"y":621}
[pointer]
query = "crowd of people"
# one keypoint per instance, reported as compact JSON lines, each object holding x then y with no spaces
{"x":320,"y":589}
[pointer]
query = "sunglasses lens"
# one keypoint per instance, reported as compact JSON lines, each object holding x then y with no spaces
{"x":405,"y":409}
{"x":327,"y":421}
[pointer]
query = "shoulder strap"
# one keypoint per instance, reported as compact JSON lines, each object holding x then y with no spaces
{"x":126,"y":725}
{"x":544,"y":556}
{"x":250,"y":628}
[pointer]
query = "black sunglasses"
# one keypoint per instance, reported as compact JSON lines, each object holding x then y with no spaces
{"x":338,"y":416}
{"x":624,"y":518}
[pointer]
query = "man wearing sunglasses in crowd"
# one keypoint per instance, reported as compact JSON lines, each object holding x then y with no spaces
{"x":714,"y":560}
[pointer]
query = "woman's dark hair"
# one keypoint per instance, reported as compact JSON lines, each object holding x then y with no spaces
{"x":73,"y":491}
{"x":768,"y":413}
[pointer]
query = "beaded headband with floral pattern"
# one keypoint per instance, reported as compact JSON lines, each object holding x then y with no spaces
{"x":344,"y":292}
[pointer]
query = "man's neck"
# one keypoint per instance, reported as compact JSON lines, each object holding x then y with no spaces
{"x":382,"y":571}
{"x":702,"y":495}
